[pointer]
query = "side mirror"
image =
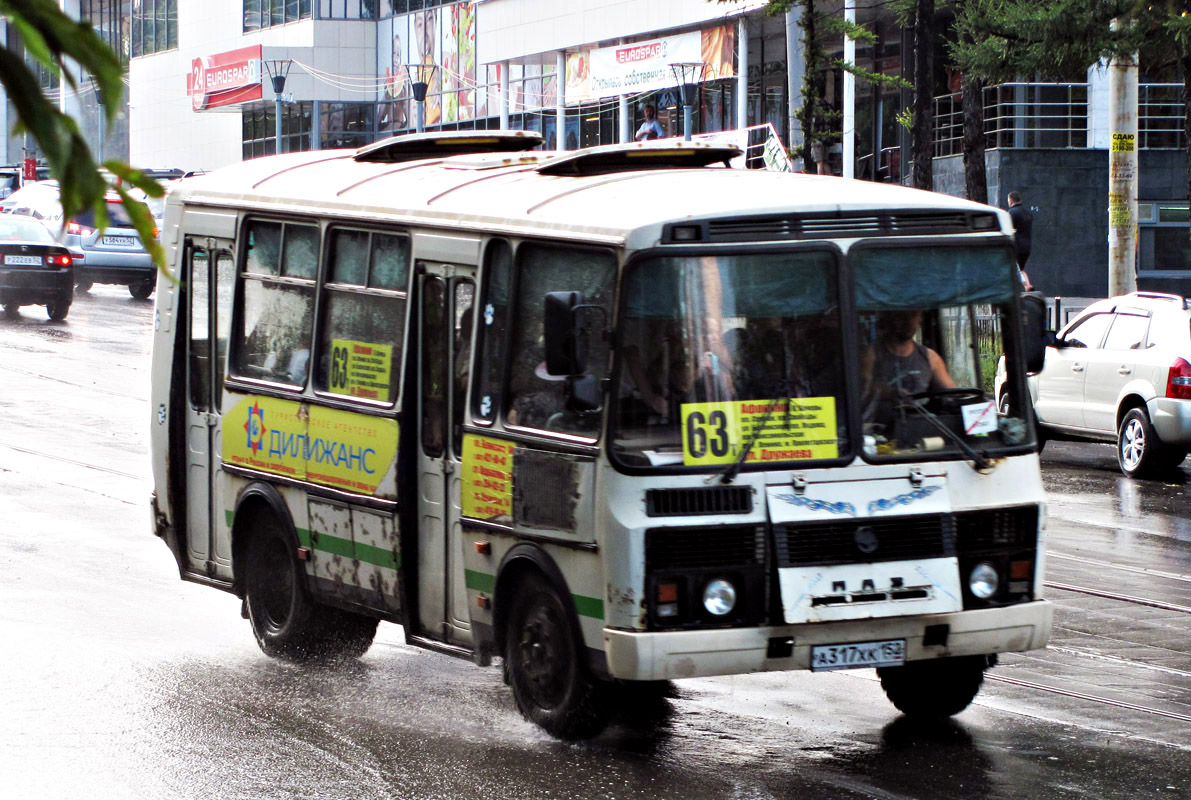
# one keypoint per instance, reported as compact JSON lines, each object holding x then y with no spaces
{"x":566,"y":351}
{"x":1035,"y":336}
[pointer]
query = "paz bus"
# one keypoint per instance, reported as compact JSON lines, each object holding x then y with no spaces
{"x":610,"y":417}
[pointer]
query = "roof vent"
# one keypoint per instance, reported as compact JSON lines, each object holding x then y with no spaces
{"x":442,"y":144}
{"x":639,"y":156}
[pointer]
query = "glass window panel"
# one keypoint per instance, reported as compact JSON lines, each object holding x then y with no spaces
{"x":304,"y":9}
{"x":537,"y":400}
{"x":200,"y":331}
{"x":390,"y":261}
{"x":252,"y":15}
{"x":1172,"y":213}
{"x":434,"y":366}
{"x":1088,"y":332}
{"x":301,"y":251}
{"x":464,"y":317}
{"x":291,"y":10}
{"x":491,"y":338}
{"x":276,"y":341}
{"x":361,"y":345}
{"x":1128,"y":332}
{"x":225,"y":279}
{"x":264,"y":248}
{"x":349,"y":257}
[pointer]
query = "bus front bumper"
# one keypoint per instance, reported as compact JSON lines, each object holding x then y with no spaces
{"x":688,"y":654}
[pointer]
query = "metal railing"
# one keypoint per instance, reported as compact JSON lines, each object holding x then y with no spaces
{"x":1054,"y":115}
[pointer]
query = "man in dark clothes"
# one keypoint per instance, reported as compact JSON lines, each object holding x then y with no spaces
{"x":1023,"y":220}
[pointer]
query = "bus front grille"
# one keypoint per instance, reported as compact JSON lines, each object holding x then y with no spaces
{"x":996,"y":528}
{"x":699,"y":500}
{"x":684,"y":548}
{"x":857,"y":541}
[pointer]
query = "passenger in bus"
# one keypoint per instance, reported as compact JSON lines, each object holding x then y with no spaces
{"x":789,"y":357}
{"x":678,"y":366}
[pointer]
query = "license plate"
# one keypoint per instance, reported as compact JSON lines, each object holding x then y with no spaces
{"x":858,"y":655}
{"x":120,"y":241}
{"x":28,"y":261}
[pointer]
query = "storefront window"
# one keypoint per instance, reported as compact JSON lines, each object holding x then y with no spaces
{"x":154,"y":26}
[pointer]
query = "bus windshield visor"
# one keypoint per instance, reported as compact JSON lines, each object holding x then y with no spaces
{"x":932,"y":334}
{"x":730,"y":361}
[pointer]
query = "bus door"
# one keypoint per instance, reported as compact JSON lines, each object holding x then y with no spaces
{"x":447,"y":295}
{"x":208,"y":275}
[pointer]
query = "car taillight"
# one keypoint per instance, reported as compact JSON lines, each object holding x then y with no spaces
{"x":78,"y":230}
{"x":1178,"y":383}
{"x":59,"y":261}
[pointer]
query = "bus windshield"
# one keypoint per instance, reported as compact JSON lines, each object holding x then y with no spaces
{"x":731,"y":361}
{"x":719,"y":354}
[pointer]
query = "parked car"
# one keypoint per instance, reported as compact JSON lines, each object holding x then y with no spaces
{"x":1120,"y":372}
{"x":35,"y":269}
{"x":114,"y":255}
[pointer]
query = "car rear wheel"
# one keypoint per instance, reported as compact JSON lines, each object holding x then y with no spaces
{"x":1139,"y":450}
{"x":58,"y":309}
{"x":83,"y":286}
{"x":142,"y":289}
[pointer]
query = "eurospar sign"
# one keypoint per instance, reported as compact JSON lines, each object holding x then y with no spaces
{"x":225,"y":79}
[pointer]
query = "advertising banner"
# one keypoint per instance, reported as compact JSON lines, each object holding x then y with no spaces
{"x":645,"y":66}
{"x":225,"y":79}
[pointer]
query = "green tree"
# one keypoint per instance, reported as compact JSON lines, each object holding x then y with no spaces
{"x":997,"y":40}
{"x":52,"y":39}
{"x":820,"y":120}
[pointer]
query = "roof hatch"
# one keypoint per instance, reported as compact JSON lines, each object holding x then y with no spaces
{"x":442,"y":144}
{"x":640,"y":156}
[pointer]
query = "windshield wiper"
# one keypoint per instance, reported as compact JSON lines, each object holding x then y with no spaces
{"x":729,"y":474}
{"x":978,"y":459}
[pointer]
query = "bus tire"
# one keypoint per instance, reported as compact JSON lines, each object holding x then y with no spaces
{"x":544,"y":663}
{"x":286,"y":621}
{"x":934,"y":689}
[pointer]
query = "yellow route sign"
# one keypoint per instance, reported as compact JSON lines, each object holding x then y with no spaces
{"x":795,"y":429}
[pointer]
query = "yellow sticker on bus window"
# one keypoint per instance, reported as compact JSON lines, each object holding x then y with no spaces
{"x":487,"y":480}
{"x":795,"y":429}
{"x":362,"y":369}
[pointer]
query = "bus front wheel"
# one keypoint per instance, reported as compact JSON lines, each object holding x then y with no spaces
{"x":934,"y":689}
{"x":286,"y":621}
{"x":544,"y":664}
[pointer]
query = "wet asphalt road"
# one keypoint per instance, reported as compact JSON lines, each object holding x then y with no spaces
{"x":117,"y":680}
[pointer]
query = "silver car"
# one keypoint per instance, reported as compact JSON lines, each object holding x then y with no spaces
{"x":114,"y":256}
{"x":1121,"y":371}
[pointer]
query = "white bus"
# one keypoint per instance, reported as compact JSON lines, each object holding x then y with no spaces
{"x":613,"y":416}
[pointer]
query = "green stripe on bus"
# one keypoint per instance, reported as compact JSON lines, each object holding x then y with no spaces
{"x":479,"y":581}
{"x":303,"y":537}
{"x":588,"y":606}
{"x":377,"y":556}
{"x":335,"y":545}
{"x":584,"y":606}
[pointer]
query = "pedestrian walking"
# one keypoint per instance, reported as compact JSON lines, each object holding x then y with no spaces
{"x":1023,"y":221}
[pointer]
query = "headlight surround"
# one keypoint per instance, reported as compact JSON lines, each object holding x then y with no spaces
{"x":983,"y":581}
{"x":719,"y":597}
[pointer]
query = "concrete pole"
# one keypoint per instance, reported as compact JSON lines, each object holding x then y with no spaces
{"x":1122,"y":176}
{"x":795,"y":74}
{"x":849,"y":131}
{"x":626,"y":129}
{"x":560,"y":80}
{"x":742,"y":74}
{"x":504,"y":96}
{"x":277,"y":113}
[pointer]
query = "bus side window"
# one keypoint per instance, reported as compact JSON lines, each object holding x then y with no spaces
{"x":537,"y":399}
{"x":280,"y":262}
{"x":493,"y":319}
{"x":363,"y":315}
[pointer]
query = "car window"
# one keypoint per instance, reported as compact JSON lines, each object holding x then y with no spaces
{"x":1088,"y":332}
{"x":1128,"y":332}
{"x":23,"y":228}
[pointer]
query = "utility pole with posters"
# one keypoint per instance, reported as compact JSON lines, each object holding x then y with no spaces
{"x":1122,"y":175}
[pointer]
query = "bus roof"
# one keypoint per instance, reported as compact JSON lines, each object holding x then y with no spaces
{"x":605,"y":193}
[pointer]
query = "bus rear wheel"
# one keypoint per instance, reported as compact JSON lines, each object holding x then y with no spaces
{"x":544,"y":664}
{"x":286,"y":621}
{"x":934,"y":689}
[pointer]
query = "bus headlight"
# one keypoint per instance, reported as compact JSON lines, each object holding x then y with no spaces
{"x":719,"y":597}
{"x":983,"y":580}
